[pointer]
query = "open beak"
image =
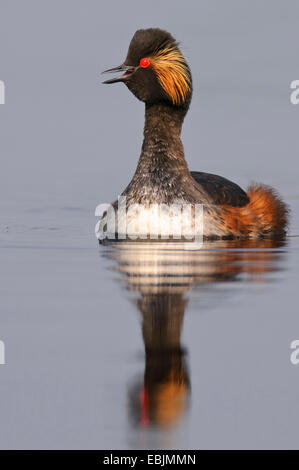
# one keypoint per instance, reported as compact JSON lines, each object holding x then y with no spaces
{"x":121,"y":68}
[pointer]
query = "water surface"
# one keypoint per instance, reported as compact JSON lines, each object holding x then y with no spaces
{"x":145,"y":345}
{"x":138,"y":346}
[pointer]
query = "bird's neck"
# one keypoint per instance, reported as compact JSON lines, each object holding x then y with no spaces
{"x":162,"y":146}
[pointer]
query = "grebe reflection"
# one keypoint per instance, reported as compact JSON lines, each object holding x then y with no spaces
{"x":161,"y":275}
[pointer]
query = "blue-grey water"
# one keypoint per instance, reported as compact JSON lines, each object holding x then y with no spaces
{"x":143,"y":345}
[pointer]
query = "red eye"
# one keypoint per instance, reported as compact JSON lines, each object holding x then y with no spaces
{"x":145,"y":62}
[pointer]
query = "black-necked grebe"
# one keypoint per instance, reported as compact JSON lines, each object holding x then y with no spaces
{"x":157,"y":73}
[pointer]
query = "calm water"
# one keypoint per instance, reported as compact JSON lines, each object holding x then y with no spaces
{"x":145,"y":345}
{"x":134,"y":346}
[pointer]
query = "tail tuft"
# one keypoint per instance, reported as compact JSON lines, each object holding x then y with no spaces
{"x":265,"y":215}
{"x":268,"y":210}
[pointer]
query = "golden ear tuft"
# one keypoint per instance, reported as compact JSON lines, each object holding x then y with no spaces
{"x":172,"y":72}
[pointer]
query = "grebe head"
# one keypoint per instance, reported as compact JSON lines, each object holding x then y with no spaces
{"x":155,"y":70}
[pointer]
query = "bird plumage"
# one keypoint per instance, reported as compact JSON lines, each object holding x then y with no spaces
{"x":157,"y":73}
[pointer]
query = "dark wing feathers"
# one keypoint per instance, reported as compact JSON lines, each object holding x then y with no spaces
{"x":221,"y":189}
